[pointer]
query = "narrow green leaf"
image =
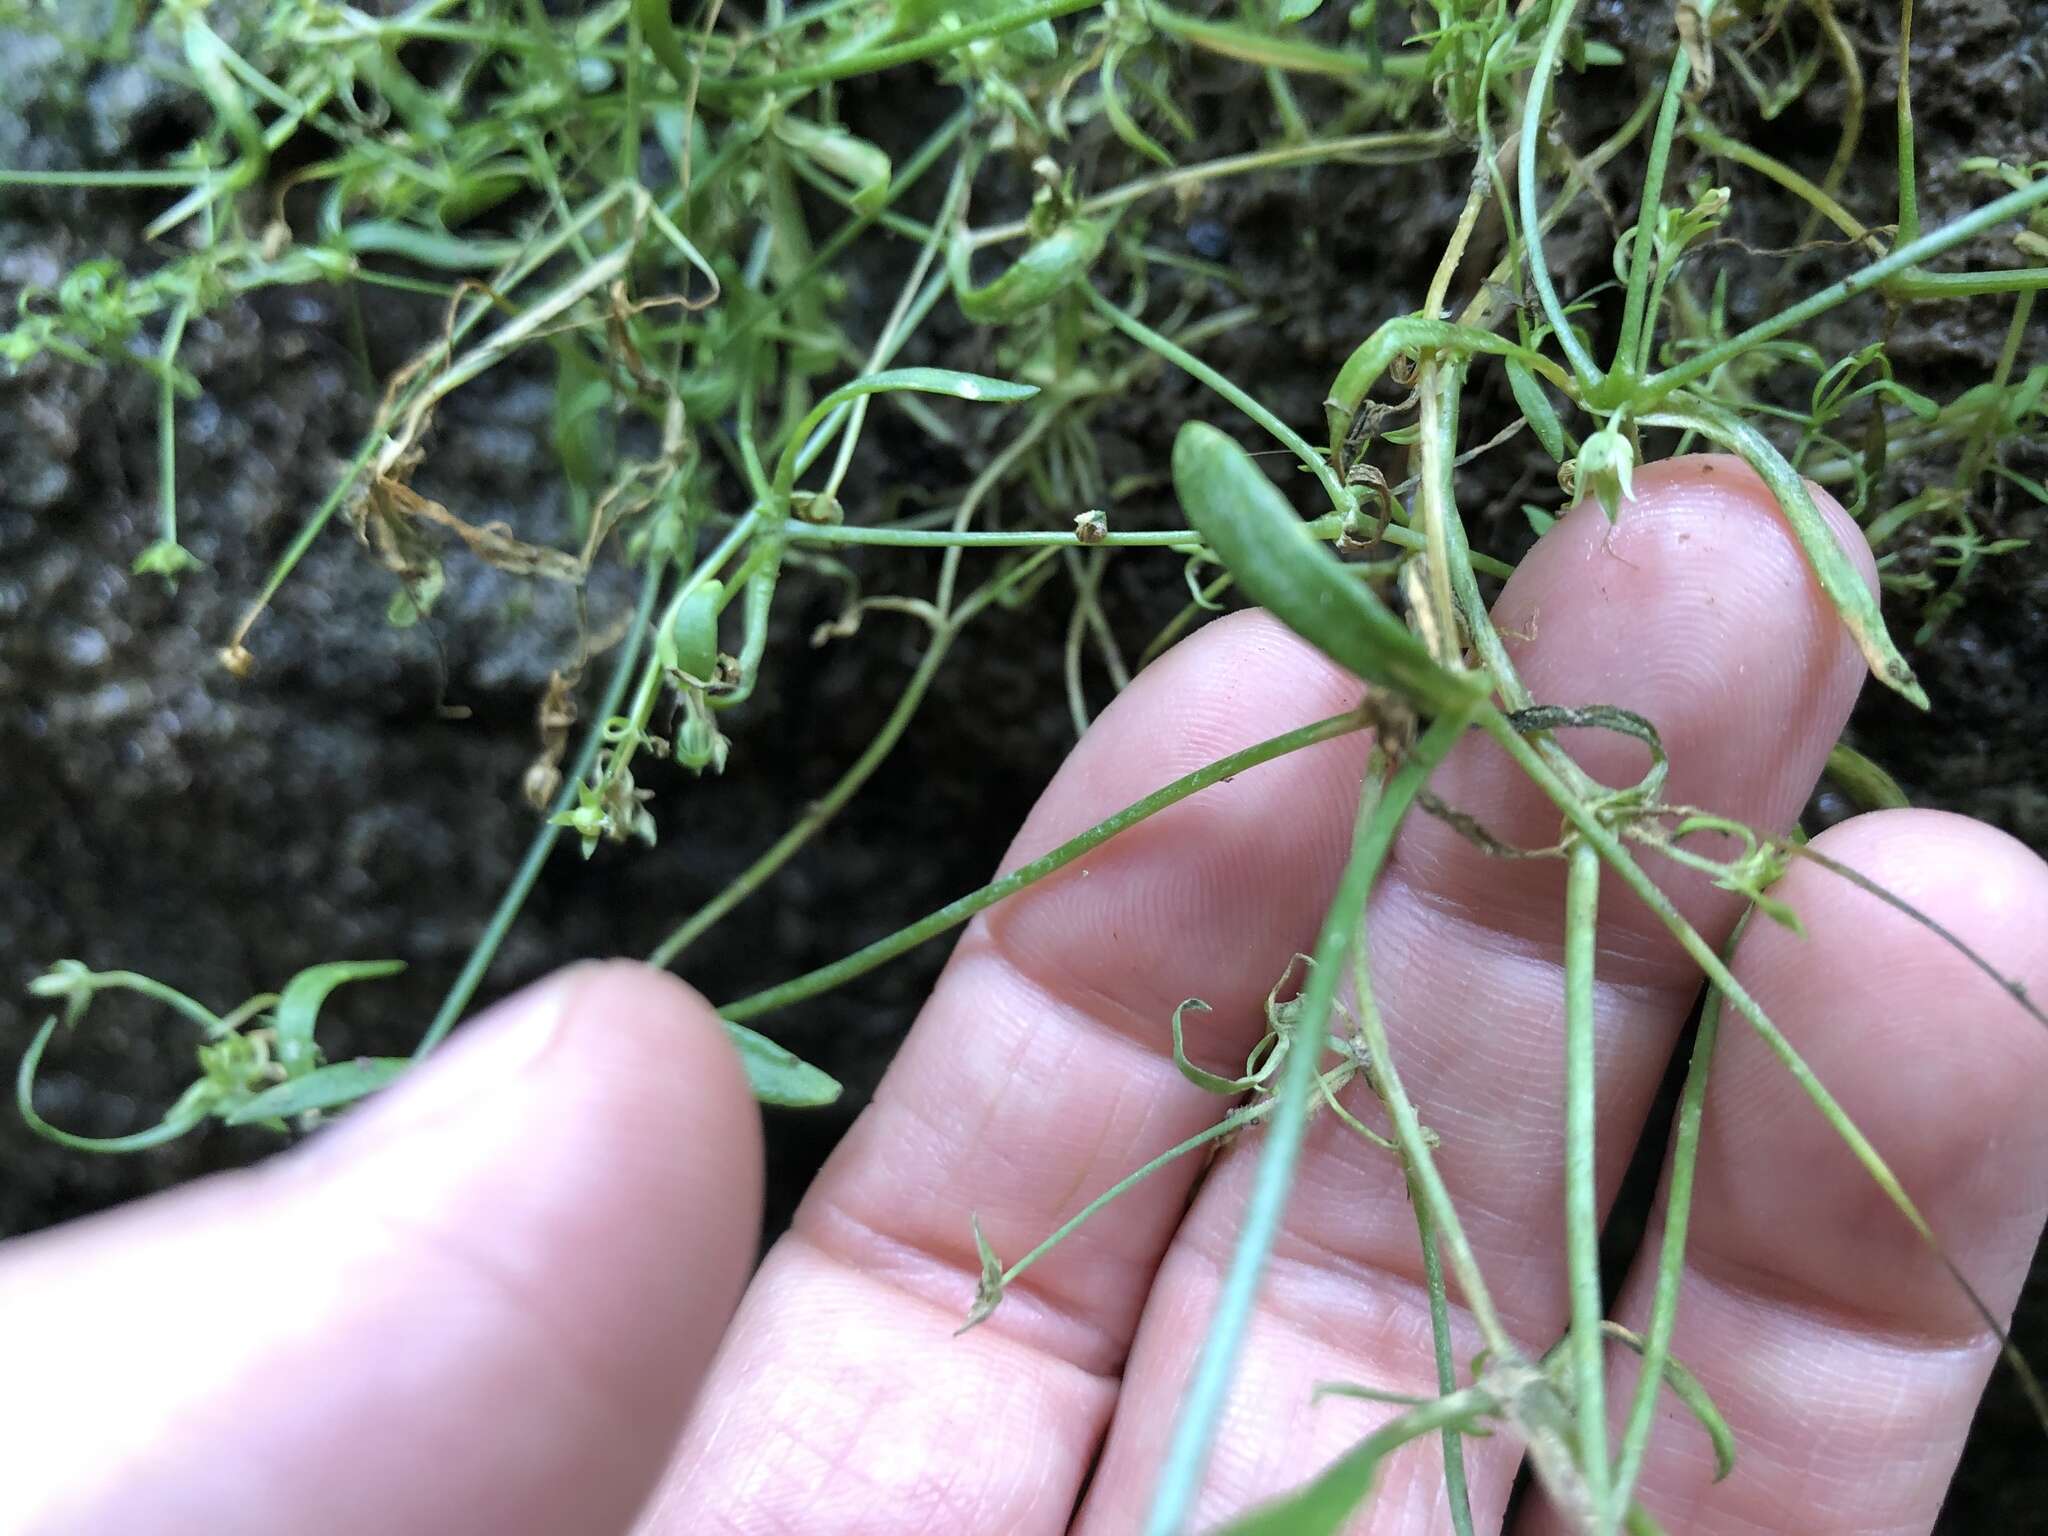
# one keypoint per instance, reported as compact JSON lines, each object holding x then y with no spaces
{"x":1243,"y":517}
{"x":778,"y":1076}
{"x":844,"y":155}
{"x":1321,"y":1507}
{"x":206,"y":55}
{"x":1537,"y":410}
{"x":298,"y":1005}
{"x":1838,"y":578}
{"x":1863,"y":781}
{"x":658,"y":31}
{"x":583,"y":430}
{"x":1290,"y":53}
{"x":192,"y":1107}
{"x":1200,"y":1077}
{"x":1687,"y":1389}
{"x":988,"y":1290}
{"x":689,"y":644}
{"x":977,"y":387}
{"x":1046,"y":268}
{"x":1119,"y":114}
{"x":323,"y":1088}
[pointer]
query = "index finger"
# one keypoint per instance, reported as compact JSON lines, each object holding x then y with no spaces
{"x":1034,"y":1079}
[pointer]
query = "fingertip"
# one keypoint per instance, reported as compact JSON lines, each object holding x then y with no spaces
{"x":1697,"y":610}
{"x":483,"y":1301}
{"x":1725,"y":482}
{"x":1989,"y":882}
{"x":1933,"y":1060}
{"x":1699,"y":523}
{"x":658,"y":1034}
{"x":1988,"y":893}
{"x":573,"y":1187}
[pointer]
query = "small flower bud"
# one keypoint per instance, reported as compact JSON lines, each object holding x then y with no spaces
{"x":1606,"y":469}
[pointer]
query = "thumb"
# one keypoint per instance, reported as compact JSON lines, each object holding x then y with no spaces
{"x":481,"y":1303}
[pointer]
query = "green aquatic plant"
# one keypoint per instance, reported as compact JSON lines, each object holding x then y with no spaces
{"x":664,"y":210}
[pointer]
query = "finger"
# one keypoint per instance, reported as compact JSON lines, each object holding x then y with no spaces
{"x":479,"y":1304}
{"x":1843,"y":1355}
{"x":1697,"y":610}
{"x":1038,"y":1075}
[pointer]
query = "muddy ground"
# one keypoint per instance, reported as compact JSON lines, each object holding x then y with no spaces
{"x":160,"y":816}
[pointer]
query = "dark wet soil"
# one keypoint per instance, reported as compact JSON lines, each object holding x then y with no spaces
{"x":161,"y":816}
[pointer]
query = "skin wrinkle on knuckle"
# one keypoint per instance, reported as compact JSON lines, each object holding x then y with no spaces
{"x":938,"y":1272}
{"x":1819,"y":1313}
{"x":800,"y":1431}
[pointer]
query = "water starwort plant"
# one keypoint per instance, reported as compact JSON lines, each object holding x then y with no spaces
{"x":663,"y":206}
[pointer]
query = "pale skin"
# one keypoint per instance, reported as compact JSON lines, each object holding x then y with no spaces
{"x":503,"y":1298}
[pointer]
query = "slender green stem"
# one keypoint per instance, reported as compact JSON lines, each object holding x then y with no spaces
{"x":95,"y":179}
{"x":1581,"y":1178}
{"x":1541,"y":1415}
{"x":954,"y":913}
{"x":1715,"y":142}
{"x":1685,"y":1153}
{"x":1025,"y":538}
{"x":1471,"y":603}
{"x":1436,"y":447}
{"x":1423,"y":1174}
{"x":167,"y":425}
{"x":544,"y":836}
{"x":1910,"y":254}
{"x":1379,"y":816}
{"x":1853,"y":87}
{"x":821,"y":811}
{"x":1583,"y":366}
{"x":1018,"y":538}
{"x":1909,"y":162}
{"x":905,"y":317}
{"x":1239,"y":1118}
{"x":771,"y":305}
{"x":1315,"y":463}
{"x":1456,"y":1488}
{"x":1362,"y":148}
{"x":1633,"y":875}
{"x":930,"y":44}
{"x":834,"y":800}
{"x":303,"y":541}
{"x":1637,"y":324}
{"x":1940,"y":286}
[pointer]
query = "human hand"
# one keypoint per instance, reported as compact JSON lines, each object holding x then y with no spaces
{"x":485,"y":1303}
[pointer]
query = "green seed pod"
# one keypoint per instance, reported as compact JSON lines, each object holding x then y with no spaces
{"x":853,"y":159}
{"x":699,"y":744}
{"x":690,"y":644}
{"x":1281,"y":566}
{"x":1035,"y":278}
